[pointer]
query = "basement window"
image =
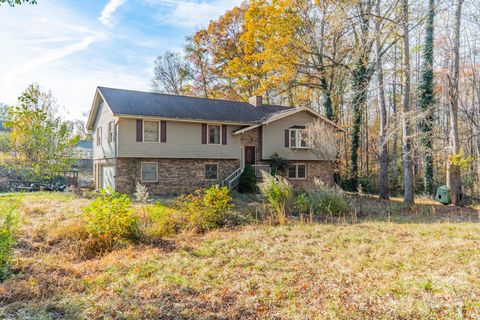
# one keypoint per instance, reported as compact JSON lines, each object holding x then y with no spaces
{"x":297,"y":171}
{"x":211,"y":171}
{"x":149,"y":172}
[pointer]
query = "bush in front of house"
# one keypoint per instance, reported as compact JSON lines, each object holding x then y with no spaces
{"x":8,"y":228}
{"x":110,"y":220}
{"x":247,"y":180}
{"x":205,"y":209}
{"x":278,"y":193}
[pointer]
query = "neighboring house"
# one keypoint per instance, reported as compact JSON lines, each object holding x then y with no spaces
{"x":176,"y":144}
{"x":84,"y":149}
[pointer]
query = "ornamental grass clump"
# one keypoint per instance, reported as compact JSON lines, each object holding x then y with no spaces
{"x":8,"y":228}
{"x":326,"y":200}
{"x":110,"y":220}
{"x":278,"y":193}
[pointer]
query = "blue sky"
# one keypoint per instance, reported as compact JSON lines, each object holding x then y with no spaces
{"x":71,"y":46}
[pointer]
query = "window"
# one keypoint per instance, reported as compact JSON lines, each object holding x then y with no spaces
{"x":150,"y":131}
{"x":298,"y":138}
{"x":213,"y":134}
{"x":110,"y":131}
{"x":99,"y":136}
{"x":297,"y":171}
{"x":149,"y":172}
{"x":211,"y":171}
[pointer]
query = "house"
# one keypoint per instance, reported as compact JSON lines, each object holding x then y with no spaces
{"x":83,"y":149}
{"x":175,"y":144}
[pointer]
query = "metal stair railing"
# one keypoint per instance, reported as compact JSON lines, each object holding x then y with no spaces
{"x":232,"y":180}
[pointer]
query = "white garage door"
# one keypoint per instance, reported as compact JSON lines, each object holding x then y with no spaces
{"x":107,"y":177}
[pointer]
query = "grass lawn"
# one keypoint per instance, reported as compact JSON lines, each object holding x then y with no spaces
{"x":418,"y":264}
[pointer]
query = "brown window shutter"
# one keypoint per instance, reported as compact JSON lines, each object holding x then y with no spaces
{"x":204,"y":133}
{"x":287,"y":138}
{"x":139,"y":130}
{"x":163,"y":131}
{"x":224,"y":134}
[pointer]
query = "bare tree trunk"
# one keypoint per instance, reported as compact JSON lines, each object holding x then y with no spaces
{"x":383,"y":177}
{"x":407,"y":148}
{"x":454,"y":168}
{"x":394,"y":161}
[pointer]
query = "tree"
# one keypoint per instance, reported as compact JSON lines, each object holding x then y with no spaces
{"x":12,"y":3}
{"x":3,"y":110}
{"x":361,"y":74}
{"x":42,"y":142}
{"x":407,"y":147}
{"x":455,"y":181}
{"x":383,"y":176}
{"x":171,"y":73}
{"x":427,"y":101}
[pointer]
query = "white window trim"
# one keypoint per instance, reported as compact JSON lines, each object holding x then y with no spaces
{"x":141,"y":172}
{"x":296,"y":171}
{"x":297,"y":139}
{"x":158,"y":129}
{"x":205,"y":171}
{"x":219,"y":133}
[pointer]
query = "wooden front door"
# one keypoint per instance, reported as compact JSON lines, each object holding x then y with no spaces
{"x":250,"y":155}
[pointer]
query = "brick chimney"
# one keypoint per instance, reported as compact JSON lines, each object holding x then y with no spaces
{"x":255,"y":101}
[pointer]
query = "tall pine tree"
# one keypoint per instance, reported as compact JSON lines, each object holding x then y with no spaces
{"x":427,"y":101}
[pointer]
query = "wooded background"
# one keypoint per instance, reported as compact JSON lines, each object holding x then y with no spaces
{"x":401,"y":76}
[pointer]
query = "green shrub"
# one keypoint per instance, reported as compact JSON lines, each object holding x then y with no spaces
{"x":278,"y":192}
{"x":163,"y":222}
{"x":110,"y":218}
{"x":247,"y":180}
{"x":8,"y":227}
{"x":277,"y":163}
{"x":5,"y":145}
{"x":326,"y":200}
{"x":206,"y":208}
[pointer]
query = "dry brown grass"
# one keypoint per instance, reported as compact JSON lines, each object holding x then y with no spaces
{"x":427,"y":268}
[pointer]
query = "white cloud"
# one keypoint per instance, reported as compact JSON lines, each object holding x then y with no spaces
{"x":189,"y":13}
{"x":106,"y":16}
{"x":47,"y":57}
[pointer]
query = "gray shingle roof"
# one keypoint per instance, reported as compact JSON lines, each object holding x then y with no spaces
{"x":85,"y":144}
{"x":128,"y":102}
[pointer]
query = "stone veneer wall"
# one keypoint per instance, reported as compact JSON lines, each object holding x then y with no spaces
{"x":253,"y":138}
{"x":175,"y":176}
{"x":323,"y":170}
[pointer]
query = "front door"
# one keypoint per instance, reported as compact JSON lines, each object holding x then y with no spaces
{"x":250,"y":155}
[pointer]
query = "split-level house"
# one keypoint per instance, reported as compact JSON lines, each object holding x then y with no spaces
{"x":175,"y":144}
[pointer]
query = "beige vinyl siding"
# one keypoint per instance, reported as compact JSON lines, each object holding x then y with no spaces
{"x":105,"y":149}
{"x":184,"y":140}
{"x":274,"y":138}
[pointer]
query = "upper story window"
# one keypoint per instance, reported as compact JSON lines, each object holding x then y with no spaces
{"x":99,"y":136}
{"x":110,"y":131}
{"x":150,"y":131}
{"x":298,"y":138}
{"x":213,"y":134}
